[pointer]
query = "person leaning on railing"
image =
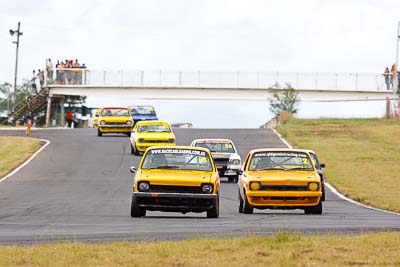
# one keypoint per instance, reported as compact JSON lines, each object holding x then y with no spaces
{"x":387,"y":76}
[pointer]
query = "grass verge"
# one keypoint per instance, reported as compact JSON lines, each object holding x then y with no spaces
{"x":378,"y":249}
{"x":14,"y":151}
{"x":362,"y":155}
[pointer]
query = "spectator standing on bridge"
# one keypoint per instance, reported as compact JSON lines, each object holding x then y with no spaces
{"x":393,"y":72}
{"x":33,"y":83}
{"x":41,"y":78}
{"x":386,"y":74}
{"x":57,"y":74}
{"x":77,"y":72}
{"x":49,"y":70}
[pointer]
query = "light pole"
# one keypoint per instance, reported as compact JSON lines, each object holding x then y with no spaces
{"x":18,"y":33}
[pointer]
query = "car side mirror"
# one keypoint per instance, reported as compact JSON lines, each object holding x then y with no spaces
{"x":322,"y":165}
{"x":240,"y":172}
{"x":132,"y":169}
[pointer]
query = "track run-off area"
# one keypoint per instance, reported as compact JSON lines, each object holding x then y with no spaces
{"x":79,"y":188}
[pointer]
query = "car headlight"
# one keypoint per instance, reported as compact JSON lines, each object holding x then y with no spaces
{"x":143,"y":186}
{"x":235,"y":161}
{"x":128,"y":122}
{"x":102,"y":123}
{"x":141,"y":140}
{"x":313,"y":186}
{"x":255,"y":186}
{"x":171,"y":140}
{"x":207,"y":188}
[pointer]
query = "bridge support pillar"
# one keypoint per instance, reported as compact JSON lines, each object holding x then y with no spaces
{"x":62,"y":119}
{"x":48,"y":111}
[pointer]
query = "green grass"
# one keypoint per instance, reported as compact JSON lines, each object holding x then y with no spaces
{"x":378,"y":249}
{"x":362,"y":155}
{"x":14,"y":151}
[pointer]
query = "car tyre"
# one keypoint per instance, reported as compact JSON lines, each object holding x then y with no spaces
{"x":136,"y":211}
{"x":323,"y":192}
{"x":136,"y":153}
{"x":240,"y":202}
{"x":314,"y":209}
{"x":132,"y":149}
{"x":99,"y":133}
{"x":214,"y":212}
{"x":247,"y":208}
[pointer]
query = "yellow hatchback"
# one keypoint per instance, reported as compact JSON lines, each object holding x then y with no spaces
{"x":114,"y":120}
{"x":176,"y":179}
{"x":279,"y":179}
{"x":151,"y":133}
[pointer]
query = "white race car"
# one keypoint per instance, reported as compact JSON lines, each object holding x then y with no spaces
{"x":224,"y":153}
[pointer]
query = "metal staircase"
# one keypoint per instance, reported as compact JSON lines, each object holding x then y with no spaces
{"x":32,"y":105}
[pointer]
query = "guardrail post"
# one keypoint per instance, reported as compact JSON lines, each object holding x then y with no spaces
{"x":180,"y":78}
{"x":141,"y":78}
{"x":277,"y":77}
{"x":237,"y":79}
{"x":160,"y":78}
{"x":258,"y":80}
{"x":122,"y":77}
{"x":316,"y":80}
{"x":104,"y":77}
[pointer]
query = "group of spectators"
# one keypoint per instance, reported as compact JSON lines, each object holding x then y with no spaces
{"x":390,"y":76}
{"x":68,"y":72}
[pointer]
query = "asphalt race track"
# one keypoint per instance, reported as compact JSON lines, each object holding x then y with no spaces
{"x":79,"y":188}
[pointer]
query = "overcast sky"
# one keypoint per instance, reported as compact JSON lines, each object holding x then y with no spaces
{"x":336,"y":35}
{"x":277,"y":35}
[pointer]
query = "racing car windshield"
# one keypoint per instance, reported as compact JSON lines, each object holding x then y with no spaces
{"x":221,"y":147}
{"x":143,"y":110}
{"x":161,"y":128}
{"x":114,"y":112}
{"x":278,"y":160}
{"x":177,"y":159}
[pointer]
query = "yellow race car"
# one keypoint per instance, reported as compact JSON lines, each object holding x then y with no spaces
{"x":151,"y":133}
{"x":176,"y":179}
{"x":279,"y":179}
{"x":96,"y":118}
{"x":114,"y":120}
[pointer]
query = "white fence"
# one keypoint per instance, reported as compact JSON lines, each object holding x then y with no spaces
{"x":334,"y":81}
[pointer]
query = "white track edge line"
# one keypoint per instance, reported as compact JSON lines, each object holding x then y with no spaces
{"x":333,"y":189}
{"x":47,"y":142}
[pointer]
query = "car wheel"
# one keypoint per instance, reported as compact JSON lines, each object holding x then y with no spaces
{"x":235,"y":179}
{"x":128,"y":134}
{"x":136,"y":211}
{"x":137,"y":153}
{"x":214,"y":212}
{"x":99,"y":133}
{"x":314,"y":209}
{"x":132,"y":150}
{"x":323,"y":192}
{"x":247,"y":208}
{"x":240,"y":202}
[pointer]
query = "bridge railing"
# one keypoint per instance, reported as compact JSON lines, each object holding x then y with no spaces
{"x":218,"y":79}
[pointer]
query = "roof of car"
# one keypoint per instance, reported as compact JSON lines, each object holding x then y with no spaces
{"x":180,"y":147}
{"x":152,"y":122}
{"x":279,"y":149}
{"x":213,"y":140}
{"x":114,"y":108}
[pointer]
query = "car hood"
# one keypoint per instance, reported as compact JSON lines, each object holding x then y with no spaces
{"x":173,"y":177}
{"x":164,"y":135}
{"x":282,"y":176}
{"x":116,"y":119}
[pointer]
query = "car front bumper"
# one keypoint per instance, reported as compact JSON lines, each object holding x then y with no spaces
{"x":143,"y":146}
{"x":262,"y":198}
{"x":175,"y":201}
{"x":115,"y":128}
